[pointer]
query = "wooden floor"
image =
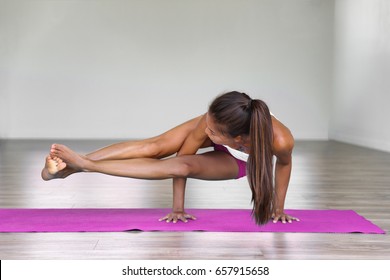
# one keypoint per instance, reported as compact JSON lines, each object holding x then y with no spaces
{"x":326,"y":175}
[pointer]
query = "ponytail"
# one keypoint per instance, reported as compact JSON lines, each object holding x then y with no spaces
{"x":240,"y":115}
{"x":260,"y":166}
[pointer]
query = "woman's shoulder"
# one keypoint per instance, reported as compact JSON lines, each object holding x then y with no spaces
{"x":283,"y":140}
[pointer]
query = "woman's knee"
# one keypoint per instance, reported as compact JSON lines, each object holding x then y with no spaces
{"x":184,"y":168}
{"x":152,"y":149}
{"x":171,"y":141}
{"x":157,"y":147}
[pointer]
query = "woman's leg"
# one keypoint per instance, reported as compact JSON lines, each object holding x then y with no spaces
{"x":160,"y":146}
{"x":209,"y":166}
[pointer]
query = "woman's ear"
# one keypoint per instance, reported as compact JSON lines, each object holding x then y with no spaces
{"x":237,"y":139}
{"x":241,"y":139}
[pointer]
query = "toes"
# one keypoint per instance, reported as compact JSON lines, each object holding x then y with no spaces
{"x":58,"y":150}
{"x":61,"y":166}
{"x":50,"y":161}
{"x":55,"y":150}
{"x":58,"y":160}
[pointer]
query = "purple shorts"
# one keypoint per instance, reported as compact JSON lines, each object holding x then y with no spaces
{"x":241,"y":164}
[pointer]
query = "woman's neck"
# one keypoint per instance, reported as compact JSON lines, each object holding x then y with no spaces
{"x":243,"y":145}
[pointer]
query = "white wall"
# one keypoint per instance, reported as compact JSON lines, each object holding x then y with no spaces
{"x":132,"y":69}
{"x":3,"y":72}
{"x":362,"y":73}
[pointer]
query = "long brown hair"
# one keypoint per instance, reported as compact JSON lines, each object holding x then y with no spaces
{"x":238,"y":114}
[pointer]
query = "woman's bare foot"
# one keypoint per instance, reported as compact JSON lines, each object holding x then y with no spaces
{"x":72,"y":159}
{"x":54,"y":168}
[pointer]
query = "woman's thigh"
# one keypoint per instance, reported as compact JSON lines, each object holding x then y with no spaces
{"x":215,"y":165}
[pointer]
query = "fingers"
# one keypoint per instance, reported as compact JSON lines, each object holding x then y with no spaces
{"x":290,"y":219}
{"x":284,"y":218}
{"x":168,"y":218}
{"x":277,"y":218}
{"x":174,"y":218}
{"x":295,"y":219}
{"x":163,"y":218}
{"x":181,"y":218}
{"x":188,"y":216}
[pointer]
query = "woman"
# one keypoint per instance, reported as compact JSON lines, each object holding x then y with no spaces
{"x":245,"y":137}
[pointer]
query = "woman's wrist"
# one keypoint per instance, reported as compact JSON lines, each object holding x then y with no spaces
{"x":177,"y":209}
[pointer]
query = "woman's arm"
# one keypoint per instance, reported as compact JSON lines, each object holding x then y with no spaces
{"x":283,"y":168}
{"x":190,"y":146}
{"x":283,"y":147}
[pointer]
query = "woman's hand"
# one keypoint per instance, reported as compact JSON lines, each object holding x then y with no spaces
{"x":176,"y":216}
{"x":280,"y":215}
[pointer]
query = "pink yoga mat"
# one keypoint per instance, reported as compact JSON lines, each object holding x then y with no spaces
{"x":213,"y":220}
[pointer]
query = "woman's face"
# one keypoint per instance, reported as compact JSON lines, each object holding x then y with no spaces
{"x":213,"y":131}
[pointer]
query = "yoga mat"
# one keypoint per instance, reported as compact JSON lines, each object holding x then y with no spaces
{"x":213,"y":220}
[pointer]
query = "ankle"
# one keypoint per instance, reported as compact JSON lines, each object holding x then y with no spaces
{"x":87,"y":165}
